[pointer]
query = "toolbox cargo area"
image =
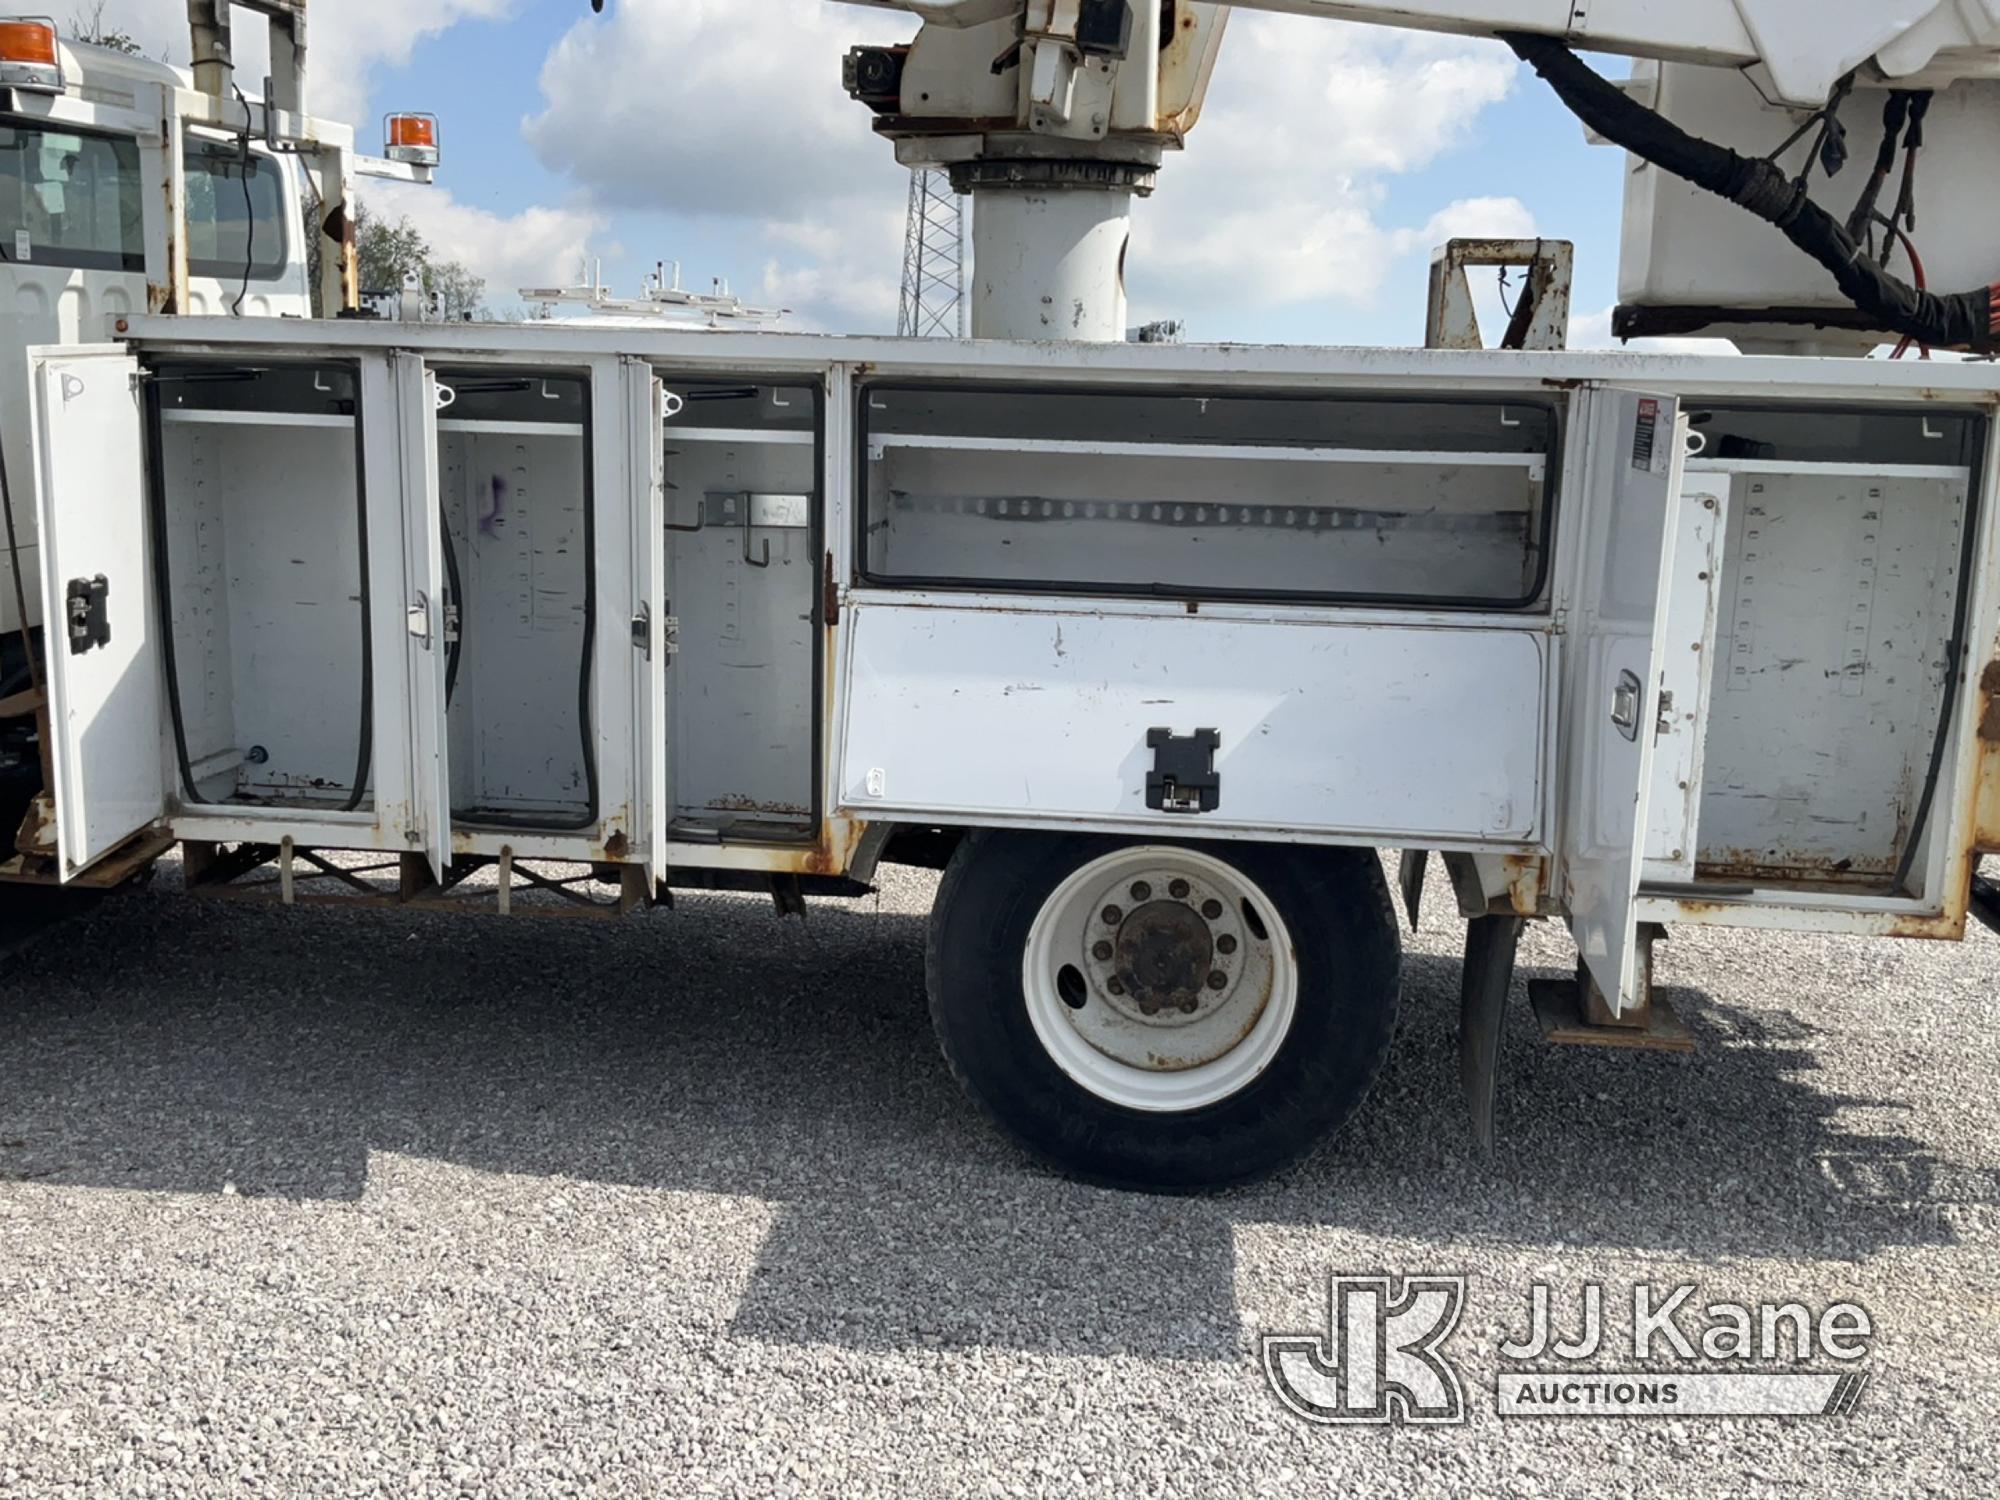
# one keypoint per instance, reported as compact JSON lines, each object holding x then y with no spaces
{"x":259,"y":544}
{"x":1406,"y":501}
{"x":742,"y":574}
{"x":1835,"y":616}
{"x":514,"y":489}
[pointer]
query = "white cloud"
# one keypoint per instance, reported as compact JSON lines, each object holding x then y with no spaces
{"x":1278,"y":198}
{"x":837,"y":278}
{"x":347,"y":42}
{"x":1470,"y":218}
{"x":734,"y":109}
{"x":723,"y":107}
{"x":536,"y":247}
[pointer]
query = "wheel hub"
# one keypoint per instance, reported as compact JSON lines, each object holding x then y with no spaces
{"x":1164,"y":950}
{"x":1160,"y":978}
{"x":1161,"y":956}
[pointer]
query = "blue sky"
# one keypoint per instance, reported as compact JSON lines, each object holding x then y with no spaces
{"x":1298,"y":213}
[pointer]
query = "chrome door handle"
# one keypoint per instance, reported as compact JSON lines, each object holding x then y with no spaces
{"x":1625,"y":701}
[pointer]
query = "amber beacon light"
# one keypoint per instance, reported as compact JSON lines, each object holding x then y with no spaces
{"x":412,"y":139}
{"x":29,"y":57}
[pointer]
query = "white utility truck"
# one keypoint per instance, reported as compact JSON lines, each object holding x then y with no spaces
{"x":129,"y":187}
{"x":1149,"y":647}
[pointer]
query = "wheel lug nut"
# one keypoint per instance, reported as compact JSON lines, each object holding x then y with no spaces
{"x":1211,"y":909}
{"x":1149,"y":1009}
{"x":1226,"y":943}
{"x":1100,"y":950}
{"x":1178,"y":890}
{"x":1112,"y":916}
{"x":1189,"y":1007}
{"x":1141,"y":891}
{"x":1115,"y":985}
{"x":1217,"y":979}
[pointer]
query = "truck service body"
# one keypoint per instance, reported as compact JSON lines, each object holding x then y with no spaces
{"x":1150,"y":648}
{"x":1414,"y":600}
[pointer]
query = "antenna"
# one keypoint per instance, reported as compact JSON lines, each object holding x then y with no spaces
{"x":934,"y":304}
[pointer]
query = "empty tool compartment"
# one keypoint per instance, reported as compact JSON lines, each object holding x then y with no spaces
{"x":1062,"y":580}
{"x":743,"y":578}
{"x":1427,"y":501}
{"x":514,"y":489}
{"x":259,"y":542}
{"x":1838,"y":616}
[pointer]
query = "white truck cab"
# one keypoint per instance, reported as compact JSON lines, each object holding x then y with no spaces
{"x":84,"y":237}
{"x":125,"y":189}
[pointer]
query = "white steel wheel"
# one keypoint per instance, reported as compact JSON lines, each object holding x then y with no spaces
{"x":1162,"y":1016}
{"x":1160,"y":978}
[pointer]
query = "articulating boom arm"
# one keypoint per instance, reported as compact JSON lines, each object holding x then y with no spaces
{"x":1055,"y":114}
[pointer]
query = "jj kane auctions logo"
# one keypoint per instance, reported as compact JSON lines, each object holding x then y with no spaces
{"x":1381,"y":1357}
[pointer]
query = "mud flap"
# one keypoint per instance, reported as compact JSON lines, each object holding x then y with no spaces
{"x":1490,"y":947}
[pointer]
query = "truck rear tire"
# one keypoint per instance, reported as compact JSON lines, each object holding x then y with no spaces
{"x":1159,"y":1015}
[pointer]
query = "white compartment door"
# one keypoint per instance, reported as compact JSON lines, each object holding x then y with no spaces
{"x":1687,"y":671}
{"x":1628,"y":486}
{"x":652,"y":637}
{"x":102,"y":649}
{"x":424,"y":607}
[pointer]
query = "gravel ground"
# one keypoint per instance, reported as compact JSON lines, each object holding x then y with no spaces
{"x":324,"y":1203}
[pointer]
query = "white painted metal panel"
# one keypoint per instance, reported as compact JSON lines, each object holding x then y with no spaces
{"x":263,"y":546}
{"x":645,"y":395}
{"x":90,"y":499}
{"x":382,"y":492}
{"x":986,"y":715}
{"x":513,"y":514}
{"x":1631,"y":471}
{"x":416,"y":418}
{"x":742,"y":580}
{"x":1837,"y":609}
{"x":1694,"y":590}
{"x":1375,"y":372}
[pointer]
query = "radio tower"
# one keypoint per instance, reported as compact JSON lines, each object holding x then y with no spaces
{"x":933,"y":303}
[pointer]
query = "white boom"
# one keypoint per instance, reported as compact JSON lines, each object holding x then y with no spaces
{"x":1806,"y":45}
{"x":1055,"y":114}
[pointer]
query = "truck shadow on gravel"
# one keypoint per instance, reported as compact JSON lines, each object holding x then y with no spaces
{"x":188,"y":1046}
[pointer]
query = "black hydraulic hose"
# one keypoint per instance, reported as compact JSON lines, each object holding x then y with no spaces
{"x":1955,"y":665}
{"x":1961,"y":320}
{"x":457,"y":600}
{"x":365,"y":757}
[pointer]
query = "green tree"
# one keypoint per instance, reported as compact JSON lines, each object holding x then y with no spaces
{"x":90,"y":27}
{"x":392,"y":252}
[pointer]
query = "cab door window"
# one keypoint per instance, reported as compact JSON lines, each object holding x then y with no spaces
{"x":235,"y":214}
{"x":70,"y":198}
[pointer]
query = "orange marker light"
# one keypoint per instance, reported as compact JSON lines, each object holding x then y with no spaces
{"x":412,"y":139}
{"x":29,"y":57}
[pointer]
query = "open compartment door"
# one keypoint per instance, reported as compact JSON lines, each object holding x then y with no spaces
{"x":652,"y":633}
{"x":1632,"y":457}
{"x":416,"y":391}
{"x":101,"y":645}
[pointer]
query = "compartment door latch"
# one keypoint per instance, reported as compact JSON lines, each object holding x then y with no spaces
{"x":642,"y":633}
{"x":1183,"y":778}
{"x":89,"y":620}
{"x":418,"y":620}
{"x":1626,"y":697}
